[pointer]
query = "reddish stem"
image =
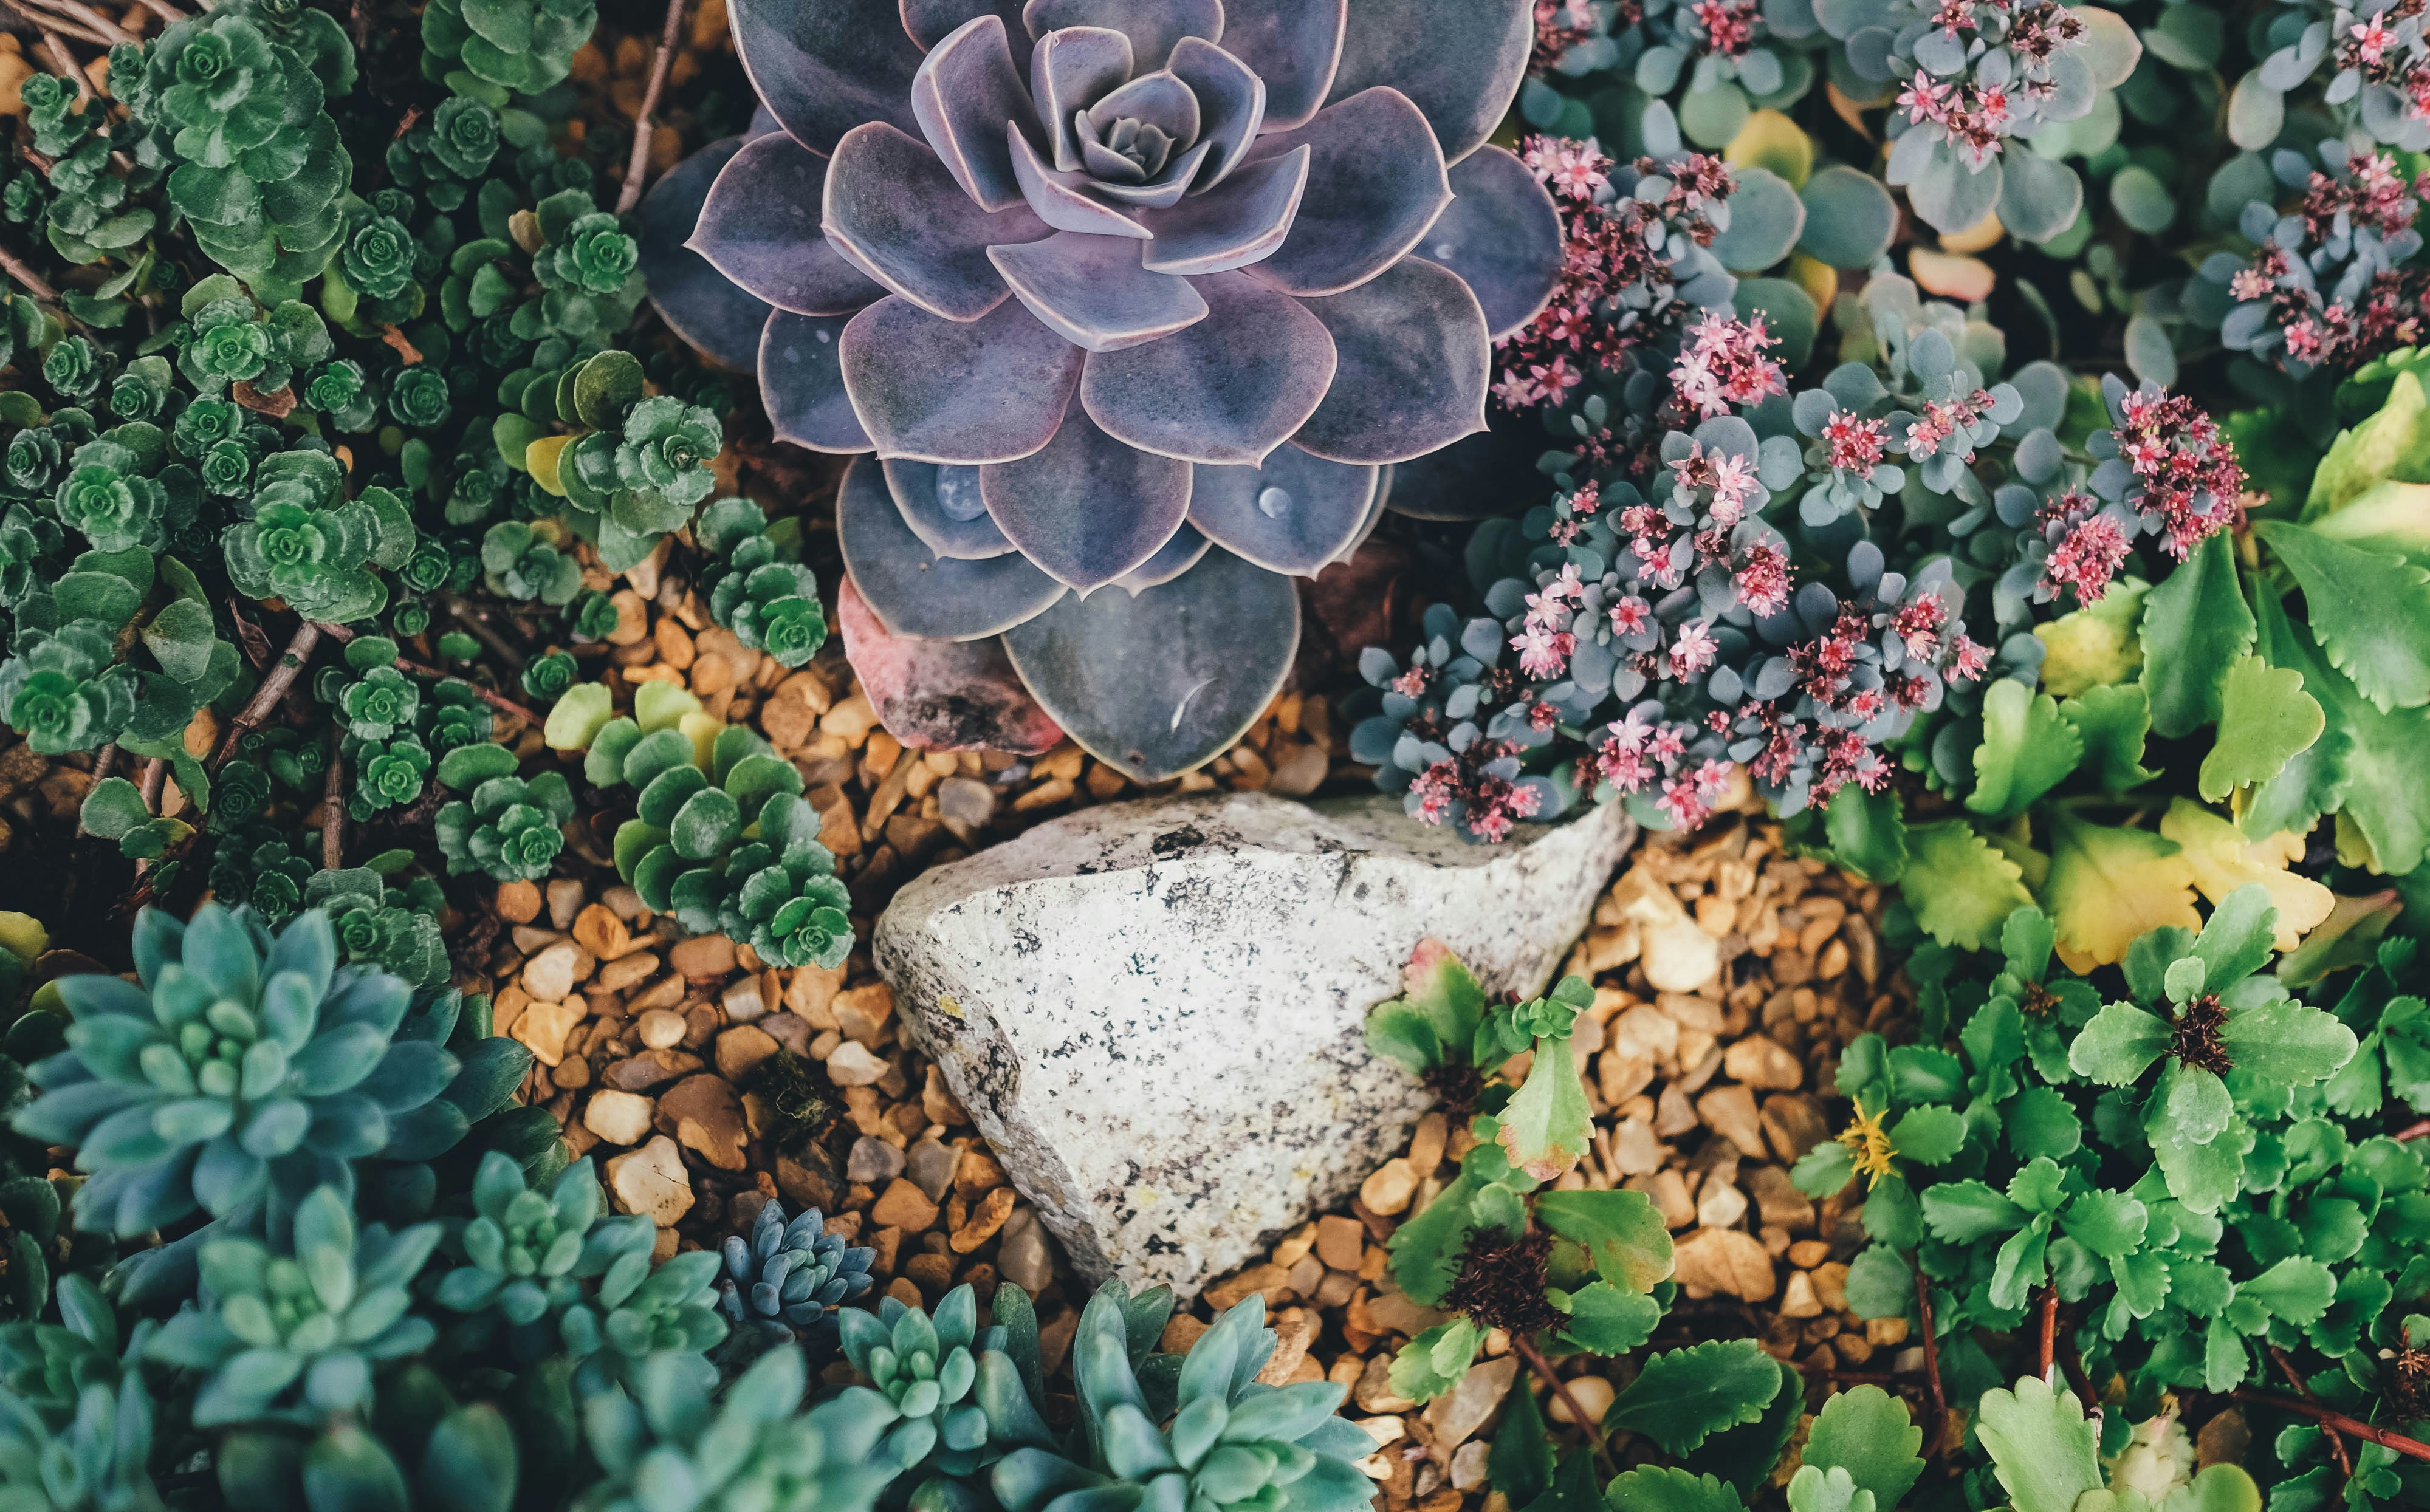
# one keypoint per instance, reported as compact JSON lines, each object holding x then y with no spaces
{"x":2336,"y":1440}
{"x":2050,"y":1329}
{"x":1578,"y":1418}
{"x":2339,"y":1421}
{"x":1931,"y":1360}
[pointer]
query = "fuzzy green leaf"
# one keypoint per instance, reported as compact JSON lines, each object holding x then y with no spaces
{"x":2027,"y":749}
{"x":1621,"y":1230}
{"x":2266,"y":719}
{"x":1652,"y":1489}
{"x":2113,"y":722}
{"x":2195,"y":626}
{"x":1966,"y":1212}
{"x":1604,"y":1319}
{"x":1547,"y":1125}
{"x":1868,"y":833}
{"x":1930,"y":1135}
{"x":2042,"y":1448}
{"x":2369,"y":612}
{"x":1866,"y":1432}
{"x":1960,"y":889}
{"x":1683,"y":1396}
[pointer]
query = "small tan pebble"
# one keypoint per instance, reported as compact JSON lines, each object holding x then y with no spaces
{"x":937,"y":1101}
{"x":1180,"y":1332}
{"x":985,"y":1220}
{"x":564,"y":902}
{"x":1730,"y":1112}
{"x":1831,"y":1285}
{"x":543,"y":1026}
{"x":1593,"y":1395}
{"x":530,"y":941}
{"x":1469,"y":1466}
{"x":1426,"y":1144}
{"x":745,"y":1000}
{"x":1047,"y":794}
{"x":1633,"y":1150}
{"x":862,"y":1012}
{"x":703,"y":957}
{"x":663,"y":993}
{"x":932,"y":1273}
{"x":618,"y":1118}
{"x":852,"y":1064}
{"x":1678,"y":957}
{"x":1294,"y":1331}
{"x":1797,"y":1299}
{"x":1724,"y":1261}
{"x":978,"y":1172}
{"x":1886,"y":1333}
{"x":1293,"y":1248}
{"x":903,"y":1289}
{"x":662,"y":1028}
{"x":741,"y":1049}
{"x":598,"y":930}
{"x":853,"y":718}
{"x":810,"y":993}
{"x":551,"y":976}
{"x":904,"y":1206}
{"x":1808,"y":1253}
{"x":1759,"y":1062}
{"x":632,"y":619}
{"x":1374,"y":1392}
{"x":1778,"y":1202}
{"x":1272,"y":1280}
{"x":1465,"y":1407}
{"x":517,"y":902}
{"x":1388,"y":1191}
{"x":652,"y":1181}
{"x":706,"y":1115}
{"x":1720,"y":1204}
{"x":626,"y":971}
{"x":1341,"y":1241}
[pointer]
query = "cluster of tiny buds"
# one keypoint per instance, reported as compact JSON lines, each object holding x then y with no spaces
{"x":1941,"y":420}
{"x":1491,"y":804}
{"x":2187,"y":472}
{"x":1723,"y":363}
{"x":1728,"y":26}
{"x":1854,"y":446}
{"x":1971,"y":117}
{"x":1636,"y":756}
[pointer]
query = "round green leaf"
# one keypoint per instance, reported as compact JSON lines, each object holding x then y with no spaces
{"x":1850,"y":217}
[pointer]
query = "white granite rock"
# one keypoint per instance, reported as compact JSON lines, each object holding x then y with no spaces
{"x":1154,"y":1010}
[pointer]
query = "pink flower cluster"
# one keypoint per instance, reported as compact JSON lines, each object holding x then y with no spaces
{"x":1493,"y":804}
{"x":1544,"y":642}
{"x":2371,"y":193}
{"x":1722,"y":364}
{"x":1610,"y":248}
{"x":2187,"y":472}
{"x":1968,"y":116}
{"x":1940,"y":420}
{"x":1636,"y":756}
{"x":1728,"y":26}
{"x":2087,"y":547}
{"x":1854,"y":446}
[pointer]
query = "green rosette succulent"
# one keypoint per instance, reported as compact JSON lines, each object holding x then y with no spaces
{"x":74,"y":368}
{"x":256,"y":867}
{"x":144,"y":391}
{"x":25,"y":539}
{"x":388,"y":773}
{"x":491,"y":48}
{"x":770,"y":604}
{"x":66,"y":690}
{"x":589,"y":254}
{"x":528,"y":1257}
{"x":465,"y":136}
{"x":310,"y":545}
{"x":638,"y":1313}
{"x":523,"y":562}
{"x":108,"y":495}
{"x":227,"y":339}
{"x":343,"y":390}
{"x":379,"y":926}
{"x":453,"y":715}
{"x":237,"y":95}
{"x":545,"y":677}
{"x":294,"y":1336}
{"x":379,"y":704}
{"x":37,"y":454}
{"x":95,"y":1459}
{"x":788,"y":901}
{"x":928,"y":1369}
{"x":418,"y":399}
{"x":1233,"y":1443}
{"x":238,"y":1060}
{"x":646,"y":478}
{"x":664,"y":1445}
{"x":377,"y":257}
{"x":511,"y":829}
{"x":205,"y":424}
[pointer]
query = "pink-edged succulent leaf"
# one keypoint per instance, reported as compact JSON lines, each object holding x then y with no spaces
{"x":1502,"y":234}
{"x":930,"y":22}
{"x":1072,"y":70}
{"x":700,"y":304}
{"x":893,"y":209}
{"x":944,"y":508}
{"x":1293,"y":45}
{"x":1153,"y":25}
{"x":1055,"y":198}
{"x":1231,"y":101}
{"x":1158,"y":683}
{"x":1172,"y":560}
{"x":1228,"y":390}
{"x":1465,"y":480}
{"x":824,"y":67}
{"x":1157,"y":99}
{"x":936,"y":390}
{"x":1091,"y":290}
{"x":1167,"y":188}
{"x":917,"y":592}
{"x":1293,"y":514}
{"x":802,"y":382}
{"x":1233,"y":225}
{"x":761,"y":229}
{"x":941,"y":695}
{"x":1376,"y":184}
{"x":1461,"y":60}
{"x":965,"y":95}
{"x":1415,"y":363}
{"x":1087,"y":508}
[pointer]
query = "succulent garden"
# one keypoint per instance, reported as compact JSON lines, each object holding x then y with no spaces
{"x":554,"y":553}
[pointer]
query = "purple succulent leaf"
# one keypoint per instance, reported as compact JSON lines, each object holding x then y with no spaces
{"x":937,"y":504}
{"x":913,"y":591}
{"x":761,"y":229}
{"x":764,"y":121}
{"x":930,"y":22}
{"x":1172,"y":560}
{"x":1091,"y":290}
{"x":1232,"y":226}
{"x":1375,"y":185}
{"x":1293,"y":514}
{"x":1153,"y":25}
{"x":1156,"y":683}
{"x":802,"y":383}
{"x":1087,"y":508}
{"x":1464,"y":480}
{"x":1415,"y":363}
{"x":698,"y":303}
{"x":1228,"y":390}
{"x":940,"y":696}
{"x":1102,"y":162}
{"x":1503,"y":235}
{"x":1056,"y":197}
{"x":1231,"y":101}
{"x":1071,"y":71}
{"x":1374,"y":514}
{"x":1157,"y":99}
{"x":893,"y":210}
{"x":1167,"y":188}
{"x":824,"y":67}
{"x":1293,"y":47}
{"x":936,"y":390}
{"x":1461,"y":60}
{"x":965,"y":95}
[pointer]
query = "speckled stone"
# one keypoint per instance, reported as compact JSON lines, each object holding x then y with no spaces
{"x":1154,"y":1010}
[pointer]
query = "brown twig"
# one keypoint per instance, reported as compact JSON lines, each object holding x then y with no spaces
{"x":156,"y":779}
{"x":2050,"y":1328}
{"x":249,"y":638}
{"x":163,"y":9}
{"x":495,"y":700}
{"x":2339,"y":1421}
{"x":280,"y":677}
{"x":631,"y":193}
{"x":32,"y":281}
{"x":105,"y":29}
{"x":1931,"y":1360}
{"x":2073,"y":1363}
{"x":333,"y":806}
{"x":61,"y":59}
{"x":2295,"y":1379}
{"x":483,"y":631}
{"x":2412,"y":1131}
{"x":1578,"y":1418}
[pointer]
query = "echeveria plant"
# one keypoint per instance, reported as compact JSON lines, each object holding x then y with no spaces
{"x":1117,"y":282}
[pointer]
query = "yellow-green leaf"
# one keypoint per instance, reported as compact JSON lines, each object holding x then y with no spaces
{"x":2107,"y":886}
{"x":2394,"y":442}
{"x":2096,"y":644}
{"x":1961,"y":889}
{"x":2368,"y":610}
{"x":2223,"y":860}
{"x":2265,"y":720}
{"x":2027,"y":749}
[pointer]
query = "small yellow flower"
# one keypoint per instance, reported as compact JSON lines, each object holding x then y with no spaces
{"x":1869,"y":1147}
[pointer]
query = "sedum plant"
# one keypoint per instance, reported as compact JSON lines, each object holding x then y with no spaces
{"x":770,"y":604}
{"x":510,"y":830}
{"x":1195,"y":415}
{"x":788,"y":1277}
{"x":665,"y":1445}
{"x":531,"y":1258}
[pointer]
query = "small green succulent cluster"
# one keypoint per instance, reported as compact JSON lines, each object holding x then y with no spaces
{"x":634,"y":471}
{"x":392,"y":929}
{"x":664,"y":1444}
{"x":310,"y":544}
{"x":511,"y":828}
{"x":257,"y":866}
{"x":788,"y":1279}
{"x":235,"y":98}
{"x":28,"y":1201}
{"x":531,"y":1258}
{"x":770,"y":604}
{"x":528,"y":559}
{"x":226,"y":339}
{"x":89,"y":213}
{"x":488,"y":49}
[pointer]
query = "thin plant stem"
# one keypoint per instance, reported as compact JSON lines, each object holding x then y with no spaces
{"x":333,"y":806}
{"x":274,"y":688}
{"x":2050,"y":1329}
{"x":631,"y":193}
{"x":2295,"y":1379}
{"x":1931,"y":1360}
{"x":495,"y":700}
{"x":1578,"y":1418}
{"x":2339,"y":1421}
{"x":94,"y":21}
{"x":483,"y":631}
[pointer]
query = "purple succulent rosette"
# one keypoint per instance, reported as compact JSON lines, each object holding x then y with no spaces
{"x":1135,"y":294}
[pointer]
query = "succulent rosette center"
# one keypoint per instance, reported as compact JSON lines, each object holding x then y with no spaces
{"x":1144,"y":294}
